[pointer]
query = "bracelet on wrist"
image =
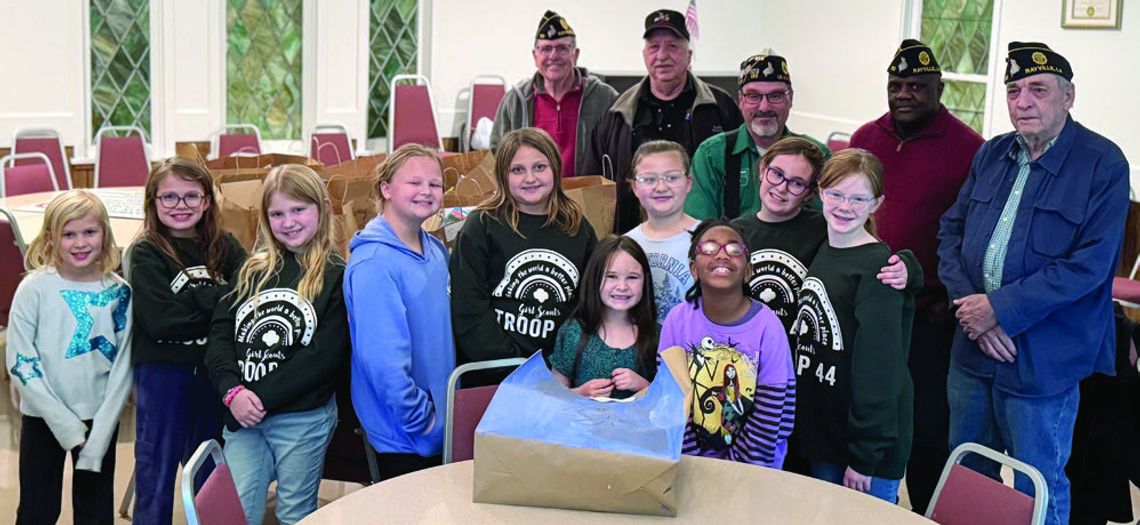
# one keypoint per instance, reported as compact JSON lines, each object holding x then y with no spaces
{"x":231,"y":394}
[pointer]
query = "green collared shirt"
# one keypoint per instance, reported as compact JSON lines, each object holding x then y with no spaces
{"x":994,"y":261}
{"x":706,"y":200}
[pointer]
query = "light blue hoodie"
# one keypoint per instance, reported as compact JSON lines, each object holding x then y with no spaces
{"x":402,"y":348}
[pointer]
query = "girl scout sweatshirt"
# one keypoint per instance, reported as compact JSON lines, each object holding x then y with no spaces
{"x":287,"y":350}
{"x":69,"y":355}
{"x":853,"y":334}
{"x":175,"y":303}
{"x":403,"y":351}
{"x":511,"y":292}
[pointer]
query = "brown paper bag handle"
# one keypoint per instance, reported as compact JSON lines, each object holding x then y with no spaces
{"x":472,"y":179}
{"x":343,"y":194}
{"x":458,"y":175}
{"x":607,"y":167}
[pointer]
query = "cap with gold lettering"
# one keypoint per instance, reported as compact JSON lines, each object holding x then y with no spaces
{"x":553,"y":27}
{"x":913,"y":58}
{"x":1034,"y":58}
{"x":764,"y":68}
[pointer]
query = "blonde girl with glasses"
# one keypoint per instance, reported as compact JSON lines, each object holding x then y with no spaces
{"x":178,"y":268}
{"x":661,"y":181}
{"x":852,"y":334}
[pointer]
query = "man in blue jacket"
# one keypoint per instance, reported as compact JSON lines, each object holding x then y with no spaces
{"x":1027,"y":254}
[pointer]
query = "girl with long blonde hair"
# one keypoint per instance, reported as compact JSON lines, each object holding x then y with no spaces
{"x":279,"y":344}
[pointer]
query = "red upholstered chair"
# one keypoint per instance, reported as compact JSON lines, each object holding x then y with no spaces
{"x":838,"y":141}
{"x":229,"y":142}
{"x":48,"y":142}
{"x":120,"y":160}
{"x":24,"y":173}
{"x":411,"y":115}
{"x":11,"y":263}
{"x":217,"y":502}
{"x":465,"y":407}
{"x":485,"y":93}
{"x":330,"y":144}
{"x":966,"y":497}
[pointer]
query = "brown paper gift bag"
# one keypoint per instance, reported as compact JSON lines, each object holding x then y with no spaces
{"x":597,"y":196}
{"x":354,"y":194}
{"x":455,"y":166}
{"x":239,"y":168}
{"x":358,"y":167}
{"x":239,"y":203}
{"x":541,"y":445}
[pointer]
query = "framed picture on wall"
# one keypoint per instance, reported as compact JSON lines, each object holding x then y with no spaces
{"x":1090,"y":14}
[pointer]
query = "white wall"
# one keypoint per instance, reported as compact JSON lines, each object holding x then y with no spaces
{"x":42,"y":52}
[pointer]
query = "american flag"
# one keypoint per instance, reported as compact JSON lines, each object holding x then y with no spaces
{"x":691,"y":21}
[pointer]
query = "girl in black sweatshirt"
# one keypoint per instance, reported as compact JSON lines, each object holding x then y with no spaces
{"x":518,"y":258}
{"x":278,"y":343}
{"x":178,"y":270}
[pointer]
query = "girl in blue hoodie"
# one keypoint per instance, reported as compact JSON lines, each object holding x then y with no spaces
{"x":396,"y":289}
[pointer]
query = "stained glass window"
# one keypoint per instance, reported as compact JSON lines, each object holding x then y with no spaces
{"x":959,"y":33}
{"x":120,"y":64}
{"x":392,"y":46}
{"x":263,"y":66}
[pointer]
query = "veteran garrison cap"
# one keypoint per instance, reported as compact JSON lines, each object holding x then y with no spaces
{"x":913,"y":58}
{"x":764,"y":68}
{"x":1034,"y":58}
{"x":666,"y":19}
{"x":553,"y":27}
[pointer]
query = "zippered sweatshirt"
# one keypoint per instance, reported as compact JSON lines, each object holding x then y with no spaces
{"x":69,"y":355}
{"x":400,"y":321}
{"x":510,"y":292}
{"x":287,"y":350}
{"x":175,"y":304}
{"x":516,"y":110}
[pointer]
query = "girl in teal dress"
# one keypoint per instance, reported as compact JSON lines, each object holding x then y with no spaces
{"x":608,"y":346}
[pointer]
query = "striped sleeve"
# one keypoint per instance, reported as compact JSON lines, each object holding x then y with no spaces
{"x":763,"y":438}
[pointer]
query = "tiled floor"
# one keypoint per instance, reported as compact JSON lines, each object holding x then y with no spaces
{"x":9,"y":485}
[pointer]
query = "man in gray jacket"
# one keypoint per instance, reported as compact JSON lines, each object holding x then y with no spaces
{"x":562,"y":99}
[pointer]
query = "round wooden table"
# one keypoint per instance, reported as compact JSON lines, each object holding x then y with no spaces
{"x":710,"y":490}
{"x":124,"y":206}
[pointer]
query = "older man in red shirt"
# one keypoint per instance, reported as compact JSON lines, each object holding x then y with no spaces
{"x":926,"y":154}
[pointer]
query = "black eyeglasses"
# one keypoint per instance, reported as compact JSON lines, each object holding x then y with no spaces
{"x":776,"y":177}
{"x":775,"y":97}
{"x":171,"y":200}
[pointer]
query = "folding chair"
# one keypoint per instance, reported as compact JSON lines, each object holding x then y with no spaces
{"x":411,"y":115}
{"x":23,"y":173}
{"x":838,"y":141}
{"x":120,"y":161}
{"x":227,"y":144}
{"x":11,"y":263}
{"x":482,"y":102}
{"x":217,"y":502}
{"x":966,"y":497}
{"x":330,"y":144}
{"x":48,"y":142}
{"x":465,"y":407}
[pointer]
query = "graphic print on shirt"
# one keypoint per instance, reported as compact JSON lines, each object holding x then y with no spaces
{"x":542,"y":281}
{"x":265,"y":325}
{"x":80,"y":303}
{"x":724,"y":383}
{"x":776,"y":279}
{"x":816,"y":328}
{"x":189,"y":279}
{"x":671,"y":279}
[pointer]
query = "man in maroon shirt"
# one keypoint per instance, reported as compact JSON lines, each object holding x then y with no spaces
{"x":926,"y":154}
{"x":560,"y":98}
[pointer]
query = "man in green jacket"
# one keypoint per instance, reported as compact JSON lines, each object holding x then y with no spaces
{"x":560,"y":98}
{"x":765,"y":100}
